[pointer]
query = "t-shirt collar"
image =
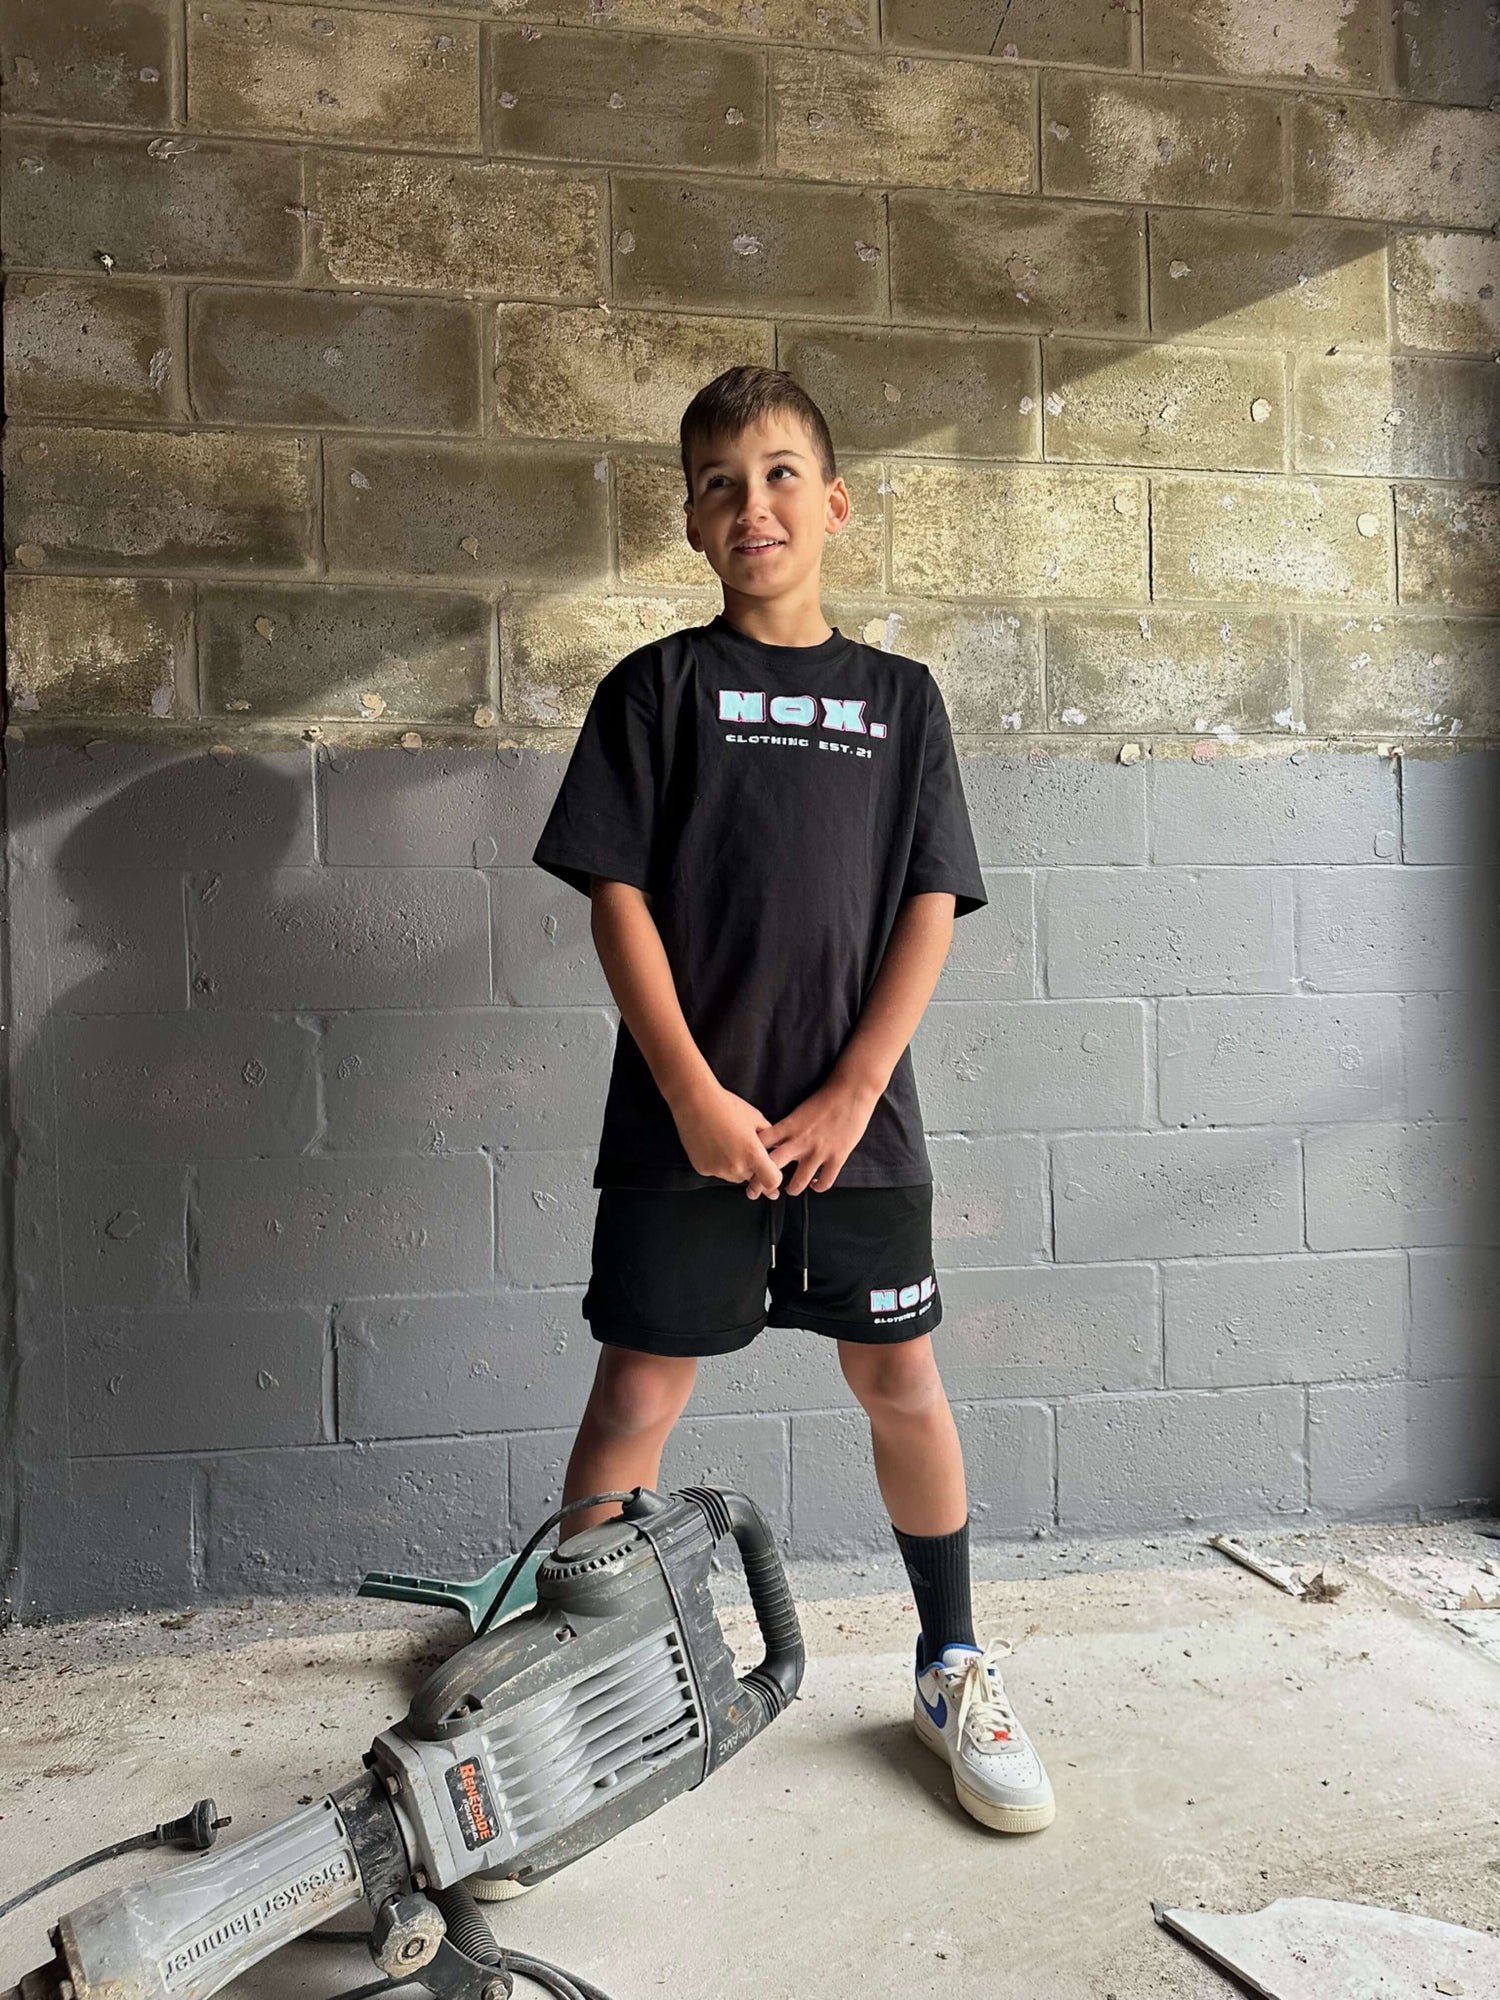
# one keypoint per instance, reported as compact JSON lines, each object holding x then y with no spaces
{"x":832,"y":648}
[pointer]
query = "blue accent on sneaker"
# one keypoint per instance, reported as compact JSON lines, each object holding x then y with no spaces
{"x":937,"y":1713}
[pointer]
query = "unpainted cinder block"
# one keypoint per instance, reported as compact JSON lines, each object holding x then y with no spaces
{"x":1175,"y":1194}
{"x":468,"y":1078}
{"x":289,"y":1231}
{"x":108,"y":66}
{"x":94,"y":646}
{"x":851,"y":24}
{"x":184,"y":1086}
{"x":1269,"y":809}
{"x":1262,"y":278}
{"x":938,"y":394}
{"x":1259,"y":540}
{"x":619,"y":376}
{"x":363,"y":77}
{"x":993,"y":955}
{"x":986,"y":658}
{"x":1153,"y":139}
{"x":1403,"y":675}
{"x":1272,"y":38}
{"x":757,"y":244}
{"x":466,"y":512}
{"x":547,"y":1203}
{"x":1451,"y":807}
{"x":1106,"y":931}
{"x":123,"y":1236}
{"x":1444,"y":287}
{"x":509,"y":1360}
{"x":1420,"y":1186}
{"x":1448,"y":50}
{"x":896,"y":120}
{"x":554,"y":651}
{"x":1238,"y":1321}
{"x":1074,"y":31}
{"x":634,"y":100}
{"x":417,"y":223}
{"x":291,"y":649}
{"x":1280,"y":1059}
{"x":1382,"y":1448}
{"x":1030,"y":1066}
{"x":1453,"y":1312}
{"x":837,"y":1509}
{"x":292,"y":1520}
{"x":654,"y":548}
{"x":238,"y":1380}
{"x":1398,"y":416}
{"x":159,"y":499}
{"x":544,"y":952}
{"x":287,"y":357}
{"x":1048,"y":1330}
{"x":1228,"y":1455}
{"x":1024,"y":531}
{"x":336,"y":938}
{"x":1397,"y":930}
{"x":989,"y":1201}
{"x":1449,"y":543}
{"x":200,"y":208}
{"x":74,"y":348}
{"x":1396,"y":162}
{"x":980,"y":261}
{"x":1119,"y":404}
{"x":1169,"y":670}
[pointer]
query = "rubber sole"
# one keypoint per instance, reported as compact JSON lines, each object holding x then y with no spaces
{"x":1001,"y":1819}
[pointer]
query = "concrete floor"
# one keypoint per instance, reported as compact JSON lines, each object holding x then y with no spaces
{"x":1210,"y":1740}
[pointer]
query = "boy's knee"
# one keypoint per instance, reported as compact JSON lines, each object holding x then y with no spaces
{"x":636,"y":1393}
{"x":900,"y":1380}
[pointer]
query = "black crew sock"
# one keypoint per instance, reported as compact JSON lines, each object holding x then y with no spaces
{"x":938,"y":1566}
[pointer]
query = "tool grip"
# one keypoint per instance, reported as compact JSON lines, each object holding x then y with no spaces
{"x":779,"y":1674}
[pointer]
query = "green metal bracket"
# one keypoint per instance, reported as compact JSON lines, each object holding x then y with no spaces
{"x":472,"y":1599}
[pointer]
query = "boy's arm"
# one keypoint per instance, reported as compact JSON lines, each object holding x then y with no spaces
{"x":719,"y":1131}
{"x":826,"y":1126}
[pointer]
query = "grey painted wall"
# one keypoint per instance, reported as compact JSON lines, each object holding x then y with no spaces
{"x":308,"y":1062}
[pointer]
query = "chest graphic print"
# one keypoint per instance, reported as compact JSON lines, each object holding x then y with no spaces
{"x":832,"y":719}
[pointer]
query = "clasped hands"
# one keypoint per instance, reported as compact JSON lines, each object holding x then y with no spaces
{"x":731,"y":1139}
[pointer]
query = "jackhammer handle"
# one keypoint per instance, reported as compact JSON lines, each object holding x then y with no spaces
{"x":779,"y":1674}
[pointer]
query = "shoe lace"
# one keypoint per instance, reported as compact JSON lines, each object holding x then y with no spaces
{"x":984,"y":1697}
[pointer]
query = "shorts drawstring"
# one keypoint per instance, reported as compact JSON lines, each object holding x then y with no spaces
{"x":806,"y":1233}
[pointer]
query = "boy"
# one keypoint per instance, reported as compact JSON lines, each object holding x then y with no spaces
{"x":768,"y":819}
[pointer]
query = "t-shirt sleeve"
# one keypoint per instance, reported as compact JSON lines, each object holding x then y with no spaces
{"x":943,"y":854}
{"x":605,"y":818}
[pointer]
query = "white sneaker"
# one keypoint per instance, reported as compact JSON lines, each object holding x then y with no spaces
{"x":961,"y":1712}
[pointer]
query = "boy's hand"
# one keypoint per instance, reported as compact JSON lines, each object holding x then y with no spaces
{"x":821,"y":1133}
{"x":719,"y":1134}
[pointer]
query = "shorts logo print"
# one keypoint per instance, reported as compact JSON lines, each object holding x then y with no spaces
{"x":891,"y":1298}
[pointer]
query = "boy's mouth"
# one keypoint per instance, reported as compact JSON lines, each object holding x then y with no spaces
{"x":756,"y":545}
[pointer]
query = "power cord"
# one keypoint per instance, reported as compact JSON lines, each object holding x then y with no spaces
{"x":198,"y":1829}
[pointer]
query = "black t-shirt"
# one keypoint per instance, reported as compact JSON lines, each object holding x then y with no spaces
{"x":776,"y":803}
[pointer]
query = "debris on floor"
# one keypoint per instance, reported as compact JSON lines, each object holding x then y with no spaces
{"x":1304,"y":1948}
{"x":1273,"y":1572}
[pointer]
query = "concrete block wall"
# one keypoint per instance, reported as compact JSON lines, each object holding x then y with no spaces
{"x":345,"y":353}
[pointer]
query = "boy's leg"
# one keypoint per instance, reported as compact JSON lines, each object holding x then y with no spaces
{"x":635,"y":1400}
{"x":920,"y":1469}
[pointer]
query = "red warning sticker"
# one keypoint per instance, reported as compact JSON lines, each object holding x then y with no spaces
{"x":472,"y":1803}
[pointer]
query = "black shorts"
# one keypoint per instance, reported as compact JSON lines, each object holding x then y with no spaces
{"x":687,"y":1272}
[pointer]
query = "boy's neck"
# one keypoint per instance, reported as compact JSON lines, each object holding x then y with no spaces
{"x":794,"y":619}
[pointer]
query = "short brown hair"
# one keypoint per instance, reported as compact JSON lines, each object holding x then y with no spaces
{"x":740,"y":397}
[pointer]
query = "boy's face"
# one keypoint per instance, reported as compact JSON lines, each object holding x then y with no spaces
{"x":764,"y":486}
